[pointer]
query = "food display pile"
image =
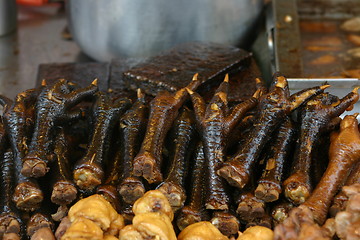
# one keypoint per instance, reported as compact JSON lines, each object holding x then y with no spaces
{"x":186,"y":162}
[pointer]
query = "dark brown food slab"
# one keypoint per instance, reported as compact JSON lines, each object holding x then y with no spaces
{"x":117,"y":68}
{"x":174,"y":69}
{"x":80,"y":73}
{"x":212,"y":61}
{"x":117,"y":86}
{"x":242,"y":84}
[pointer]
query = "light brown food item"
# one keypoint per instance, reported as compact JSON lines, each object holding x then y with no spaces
{"x":83,"y":229}
{"x":354,"y":52}
{"x":226,"y":221}
{"x":315,"y":48}
{"x":347,"y":223}
{"x":110,"y":237}
{"x":325,"y":40}
{"x":329,"y":227}
{"x":129,"y":233}
{"x":256,"y":233}
{"x":11,"y":236}
{"x":300,"y":225}
{"x":315,"y":27}
{"x":61,"y":212}
{"x":201,"y":231}
{"x":115,"y":226}
{"x":325,"y":59}
{"x":153,"y":201}
{"x":43,"y":234}
{"x":63,"y":226}
{"x":344,"y":154}
{"x":154,"y":225}
{"x":98,"y":210}
{"x":351,"y":25}
{"x":353,"y":38}
{"x":352,"y":73}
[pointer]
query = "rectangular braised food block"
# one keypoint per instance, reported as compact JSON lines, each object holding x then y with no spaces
{"x":174,"y":69}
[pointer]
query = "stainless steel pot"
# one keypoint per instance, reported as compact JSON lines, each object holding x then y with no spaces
{"x":7,"y":16}
{"x":105,"y":29}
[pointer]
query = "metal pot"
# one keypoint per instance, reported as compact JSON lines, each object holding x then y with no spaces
{"x":105,"y":29}
{"x":7,"y":16}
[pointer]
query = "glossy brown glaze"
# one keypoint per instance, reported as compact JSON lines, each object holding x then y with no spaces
{"x":132,"y":130}
{"x":62,"y":227}
{"x":163,"y":111}
{"x":52,"y":107}
{"x":173,"y":69}
{"x":226,"y":222}
{"x":108,"y":188}
{"x":127,"y":212}
{"x":272,"y":108}
{"x":300,"y":225}
{"x":249,"y":207}
{"x":10,"y":221}
{"x":18,"y":123}
{"x":89,"y":171}
{"x":110,"y":193}
{"x":120,"y":171}
{"x":60,"y":213}
{"x":42,"y":234}
{"x":269,"y":185}
{"x":194,"y":209}
{"x":281,"y":211}
{"x":264,"y":221}
{"x":340,"y":200}
{"x":37,"y":221}
{"x":343,"y":154}
{"x":239,"y":133}
{"x":64,"y":190}
{"x":27,"y":194}
{"x":214,"y":122}
{"x":181,"y":148}
{"x":314,"y":116}
{"x":19,"y":118}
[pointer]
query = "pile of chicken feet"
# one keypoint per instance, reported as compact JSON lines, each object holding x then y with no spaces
{"x":273,"y":160}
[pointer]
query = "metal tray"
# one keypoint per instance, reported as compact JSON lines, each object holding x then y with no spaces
{"x":339,"y":87}
{"x":296,"y":33}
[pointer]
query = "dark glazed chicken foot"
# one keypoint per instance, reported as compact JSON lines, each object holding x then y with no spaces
{"x":10,"y":222}
{"x":315,"y":115}
{"x":88,"y":172}
{"x":132,"y":130}
{"x":52,"y":107}
{"x":214,"y":122}
{"x":64,"y":190}
{"x":18,"y":123}
{"x":272,"y":108}
{"x":269,"y":185}
{"x":163,"y":111}
{"x":182,"y":133}
{"x":194,"y":209}
{"x":343,"y":154}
